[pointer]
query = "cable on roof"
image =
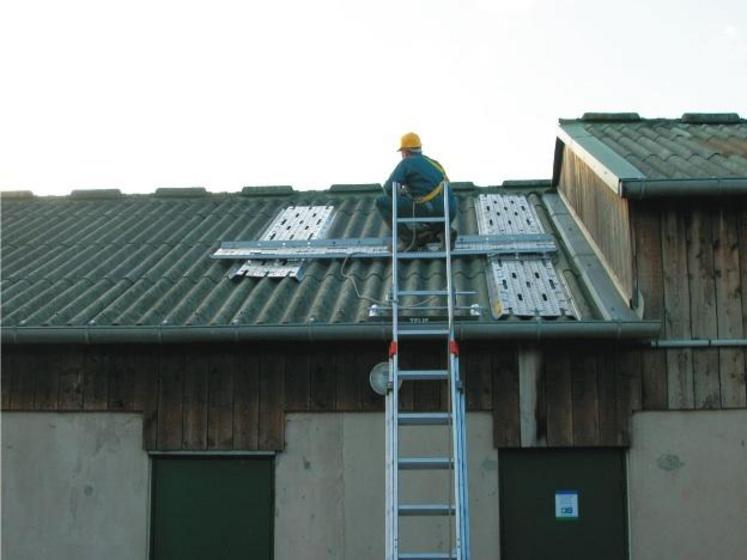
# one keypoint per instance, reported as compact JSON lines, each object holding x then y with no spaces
{"x":349,"y":276}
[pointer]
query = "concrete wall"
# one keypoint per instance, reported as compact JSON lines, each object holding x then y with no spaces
{"x":74,"y":485}
{"x":688,"y":485}
{"x":330,"y":498}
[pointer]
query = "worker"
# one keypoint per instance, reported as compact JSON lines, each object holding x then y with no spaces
{"x":422,"y":180}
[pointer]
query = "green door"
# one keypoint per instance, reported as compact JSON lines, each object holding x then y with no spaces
{"x":212,"y":507}
{"x":563,"y":503}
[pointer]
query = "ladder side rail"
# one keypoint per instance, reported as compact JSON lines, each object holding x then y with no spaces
{"x":457,"y":441}
{"x":465,"y":477}
{"x":462,"y":488}
{"x":461,"y":494}
{"x":393,"y":395}
{"x":454,"y":423}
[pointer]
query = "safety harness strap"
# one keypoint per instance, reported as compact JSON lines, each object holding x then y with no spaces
{"x":439,"y":188}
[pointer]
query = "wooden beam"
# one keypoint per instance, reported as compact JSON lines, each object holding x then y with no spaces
{"x":221,"y":366}
{"x":530,"y":377}
{"x":297,"y":380}
{"x":506,"y":424}
{"x":71,"y":363}
{"x":703,"y":322}
{"x":727,"y":257}
{"x":195,"y":409}
{"x":557,"y":365}
{"x":585,"y":399}
{"x":649,"y":273}
{"x":170,"y":396}
{"x":96,"y":379}
{"x":271,"y":400}
{"x":677,"y":308}
{"x":246,"y":401}
{"x":322,"y":383}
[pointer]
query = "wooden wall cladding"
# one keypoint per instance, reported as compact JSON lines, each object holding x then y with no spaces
{"x":604,"y":215}
{"x":197,"y":398}
{"x":690,"y":260}
{"x":222,"y":397}
{"x":585,"y":395}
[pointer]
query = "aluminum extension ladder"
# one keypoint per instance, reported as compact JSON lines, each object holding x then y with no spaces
{"x":457,"y":509}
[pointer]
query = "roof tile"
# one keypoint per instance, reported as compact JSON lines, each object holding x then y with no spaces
{"x":145,"y":260}
{"x":696,"y":146}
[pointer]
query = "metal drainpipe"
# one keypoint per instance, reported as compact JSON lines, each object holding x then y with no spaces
{"x":700,"y":343}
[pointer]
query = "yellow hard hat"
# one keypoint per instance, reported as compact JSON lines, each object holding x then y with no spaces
{"x":410,"y":141}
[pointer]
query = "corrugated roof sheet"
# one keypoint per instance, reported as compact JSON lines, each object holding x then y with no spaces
{"x":141,"y":260}
{"x":694,"y":146}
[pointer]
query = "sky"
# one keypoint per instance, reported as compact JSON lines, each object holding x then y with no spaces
{"x":145,"y":94}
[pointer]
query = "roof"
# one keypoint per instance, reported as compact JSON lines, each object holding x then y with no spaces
{"x":103,"y":266}
{"x":625,"y":148}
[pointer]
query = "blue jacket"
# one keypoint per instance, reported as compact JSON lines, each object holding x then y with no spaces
{"x":419,"y":173}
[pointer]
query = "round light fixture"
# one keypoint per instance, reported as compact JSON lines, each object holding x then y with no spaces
{"x":379,"y":378}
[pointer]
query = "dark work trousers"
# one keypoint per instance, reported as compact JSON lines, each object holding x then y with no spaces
{"x":408,"y":208}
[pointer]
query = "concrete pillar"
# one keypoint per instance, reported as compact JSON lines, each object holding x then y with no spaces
{"x":688,"y":485}
{"x":330,"y":487}
{"x":74,"y":485}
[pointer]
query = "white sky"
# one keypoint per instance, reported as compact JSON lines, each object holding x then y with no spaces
{"x":151,"y":93}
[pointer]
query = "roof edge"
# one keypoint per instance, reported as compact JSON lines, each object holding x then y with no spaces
{"x":354,"y":187}
{"x":268,"y":190}
{"x":711,"y":118}
{"x":180,"y":192}
{"x":17,"y":195}
{"x":524,"y":330}
{"x":603,"y":160}
{"x":95,"y":194}
{"x":527,"y":184}
{"x":639,"y":189}
{"x":610,"y":117}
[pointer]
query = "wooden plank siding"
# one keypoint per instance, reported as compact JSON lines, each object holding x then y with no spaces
{"x":604,"y":215}
{"x":683,"y":262}
{"x":649,"y":274}
{"x":219,"y":397}
{"x":677,"y":307}
{"x":729,"y":301}
{"x":690,"y":262}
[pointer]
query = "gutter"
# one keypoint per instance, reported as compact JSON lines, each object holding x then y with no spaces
{"x":515,"y":330}
{"x":700,"y":343}
{"x":658,"y":188}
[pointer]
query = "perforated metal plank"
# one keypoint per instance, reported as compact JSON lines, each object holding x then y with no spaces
{"x":372,"y":247}
{"x":526,"y":285}
{"x":530,"y":287}
{"x":505,"y":213}
{"x":295,"y":223}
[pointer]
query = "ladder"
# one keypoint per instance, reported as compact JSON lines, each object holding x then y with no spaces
{"x":456,"y":510}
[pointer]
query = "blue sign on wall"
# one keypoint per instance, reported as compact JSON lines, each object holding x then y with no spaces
{"x":566,"y":505}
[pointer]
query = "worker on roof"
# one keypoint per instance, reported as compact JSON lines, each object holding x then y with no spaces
{"x":422,"y":180}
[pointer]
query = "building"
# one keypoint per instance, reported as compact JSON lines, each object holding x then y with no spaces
{"x":158,"y":403}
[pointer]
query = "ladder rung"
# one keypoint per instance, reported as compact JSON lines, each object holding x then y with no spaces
{"x":426,"y":509}
{"x":423,"y":293}
{"x":409,"y":255}
{"x":425,"y":463}
{"x":423,"y":374}
{"x":427,"y":556}
{"x":432,"y":293}
{"x":423,"y":418}
{"x":422,"y":220}
{"x":423,"y":332}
